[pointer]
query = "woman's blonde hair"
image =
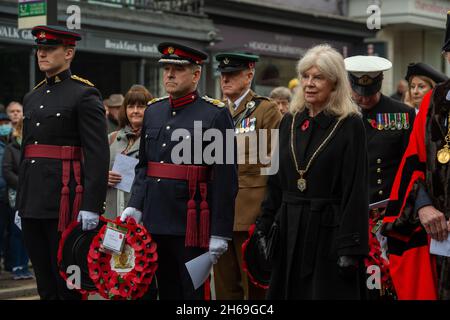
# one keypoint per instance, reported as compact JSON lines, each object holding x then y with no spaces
{"x":331,"y":64}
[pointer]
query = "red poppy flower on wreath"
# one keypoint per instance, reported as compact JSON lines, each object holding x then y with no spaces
{"x":126,"y":275}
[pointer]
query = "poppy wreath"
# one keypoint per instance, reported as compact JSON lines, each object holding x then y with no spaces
{"x":124,"y":286}
{"x":375,"y":258}
{"x":252,"y":279}
{"x":59,"y":258}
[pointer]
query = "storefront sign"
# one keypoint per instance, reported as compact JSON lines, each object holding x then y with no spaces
{"x":132,"y":47}
{"x":31,"y":13}
{"x":11,"y":33}
{"x":96,"y":41}
{"x":270,"y":43}
{"x":31,"y":9}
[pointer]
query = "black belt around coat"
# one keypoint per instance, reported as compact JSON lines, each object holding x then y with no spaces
{"x":317,"y":215}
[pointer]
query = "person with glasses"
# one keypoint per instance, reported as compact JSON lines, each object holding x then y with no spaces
{"x":125,"y":141}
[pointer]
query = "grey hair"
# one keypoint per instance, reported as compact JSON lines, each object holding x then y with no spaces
{"x":331,"y":64}
{"x":281,"y":93}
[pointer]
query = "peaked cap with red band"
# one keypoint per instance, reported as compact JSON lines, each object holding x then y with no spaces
{"x":179,"y":54}
{"x":55,"y":36}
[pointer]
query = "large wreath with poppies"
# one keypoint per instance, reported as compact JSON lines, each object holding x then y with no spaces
{"x":128,"y":275}
{"x":375,"y":257}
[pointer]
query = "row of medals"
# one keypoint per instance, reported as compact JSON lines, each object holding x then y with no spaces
{"x":392,"y":121}
{"x":246,"y":125}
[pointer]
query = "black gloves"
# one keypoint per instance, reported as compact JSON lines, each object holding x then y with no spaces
{"x":347,"y":266}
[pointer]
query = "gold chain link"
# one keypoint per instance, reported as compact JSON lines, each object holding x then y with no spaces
{"x":303,"y":171}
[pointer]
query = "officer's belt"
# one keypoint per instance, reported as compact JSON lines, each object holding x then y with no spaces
{"x":67,"y":154}
{"x":193,"y":175}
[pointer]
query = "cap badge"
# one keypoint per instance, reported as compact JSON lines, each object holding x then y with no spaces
{"x":170,"y":50}
{"x":226,"y":61}
{"x":42,"y":35}
{"x":365,"y":80}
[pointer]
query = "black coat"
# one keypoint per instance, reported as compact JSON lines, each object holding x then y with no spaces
{"x":164,"y":201}
{"x":11,"y":160}
{"x":327,"y":220}
{"x":65,"y":111}
{"x":385,"y":147}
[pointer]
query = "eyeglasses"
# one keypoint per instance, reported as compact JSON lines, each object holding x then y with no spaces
{"x":139,"y":106}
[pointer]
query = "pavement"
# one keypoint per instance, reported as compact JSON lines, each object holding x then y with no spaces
{"x":17,"y":289}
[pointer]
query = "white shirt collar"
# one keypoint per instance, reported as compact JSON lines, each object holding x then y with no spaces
{"x":239,"y":100}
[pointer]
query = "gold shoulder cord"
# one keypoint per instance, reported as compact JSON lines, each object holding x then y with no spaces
{"x":443,"y":155}
{"x":301,"y":182}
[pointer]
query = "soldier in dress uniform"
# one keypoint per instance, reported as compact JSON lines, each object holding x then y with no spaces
{"x":388,"y":125}
{"x":64,"y":164}
{"x":251,"y":113}
{"x":186,"y":202}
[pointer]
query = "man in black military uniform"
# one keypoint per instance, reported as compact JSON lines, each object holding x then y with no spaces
{"x":187,"y":204}
{"x":64,"y":165}
{"x":388,"y":125}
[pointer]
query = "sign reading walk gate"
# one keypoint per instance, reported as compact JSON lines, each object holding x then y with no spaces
{"x":32,"y":13}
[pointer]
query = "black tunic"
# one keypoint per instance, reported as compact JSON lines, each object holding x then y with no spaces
{"x":63,"y":111}
{"x":385,"y":147}
{"x":327,"y":220}
{"x":163,"y":201}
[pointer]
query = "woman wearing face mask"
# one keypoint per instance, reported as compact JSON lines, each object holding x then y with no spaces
{"x":421,"y":79}
{"x":125,"y":141}
{"x":11,"y":160}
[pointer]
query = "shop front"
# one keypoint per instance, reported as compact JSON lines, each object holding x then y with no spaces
{"x":113,"y":61}
{"x":279,"y":52}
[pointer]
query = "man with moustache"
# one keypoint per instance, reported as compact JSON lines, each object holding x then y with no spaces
{"x":65,"y":156}
{"x":187,"y":204}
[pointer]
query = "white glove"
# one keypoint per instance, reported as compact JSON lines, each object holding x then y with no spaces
{"x":133,"y":213}
{"x":217,"y":247}
{"x":88,"y":219}
{"x":18,"y":220}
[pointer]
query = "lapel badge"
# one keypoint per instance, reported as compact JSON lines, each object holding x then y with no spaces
{"x":57,"y":79}
{"x":250,"y":104}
